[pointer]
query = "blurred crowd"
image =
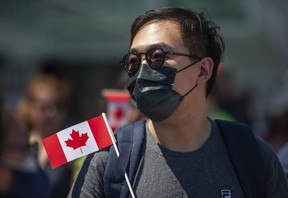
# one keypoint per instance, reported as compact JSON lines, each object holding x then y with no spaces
{"x":230,"y":103}
{"x":41,"y":111}
{"x":44,"y":109}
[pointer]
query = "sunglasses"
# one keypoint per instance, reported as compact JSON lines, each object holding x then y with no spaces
{"x":155,"y":58}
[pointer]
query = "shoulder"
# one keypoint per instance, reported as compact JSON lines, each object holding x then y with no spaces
{"x":269,"y":156}
{"x":90,"y":177}
{"x":247,"y":140}
{"x":271,"y":160}
{"x":97,"y":160}
{"x":269,"y":164}
{"x":283,"y":157}
{"x":265,"y":148}
{"x":95,"y":163}
{"x":276,"y":181}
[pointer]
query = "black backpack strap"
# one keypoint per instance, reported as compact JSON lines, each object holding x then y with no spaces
{"x":130,"y":140}
{"x":246,"y":157}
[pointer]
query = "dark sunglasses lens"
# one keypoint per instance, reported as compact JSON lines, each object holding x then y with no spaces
{"x":132,"y":62}
{"x":155,"y":57}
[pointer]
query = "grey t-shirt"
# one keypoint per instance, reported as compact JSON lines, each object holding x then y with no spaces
{"x":206,"y":172}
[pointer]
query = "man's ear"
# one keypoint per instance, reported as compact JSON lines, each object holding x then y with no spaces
{"x":205,"y":70}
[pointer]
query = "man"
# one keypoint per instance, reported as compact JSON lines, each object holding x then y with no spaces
{"x":172,"y":65}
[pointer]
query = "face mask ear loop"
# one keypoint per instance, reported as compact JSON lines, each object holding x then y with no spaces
{"x":188,"y":92}
{"x":188,"y":66}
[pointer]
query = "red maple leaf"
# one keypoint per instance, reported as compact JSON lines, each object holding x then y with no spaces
{"x":77,"y":141}
{"x":118,"y":113}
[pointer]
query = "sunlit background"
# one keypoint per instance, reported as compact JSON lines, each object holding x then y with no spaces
{"x":91,"y":36}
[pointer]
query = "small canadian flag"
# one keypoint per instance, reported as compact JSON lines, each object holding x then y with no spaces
{"x":77,"y":141}
{"x":118,"y":106}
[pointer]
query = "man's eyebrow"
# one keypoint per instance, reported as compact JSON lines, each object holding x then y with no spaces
{"x":161,"y":44}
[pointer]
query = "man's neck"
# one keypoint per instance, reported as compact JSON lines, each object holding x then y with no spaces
{"x":181,"y":136}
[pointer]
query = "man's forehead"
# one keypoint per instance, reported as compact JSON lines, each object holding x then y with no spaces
{"x":160,"y":32}
{"x":144,"y":48}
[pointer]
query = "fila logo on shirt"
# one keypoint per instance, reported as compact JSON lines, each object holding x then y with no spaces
{"x":225,"y":193}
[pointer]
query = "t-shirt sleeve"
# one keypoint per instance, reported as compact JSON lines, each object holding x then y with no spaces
{"x":89,"y":182}
{"x":276,"y":181}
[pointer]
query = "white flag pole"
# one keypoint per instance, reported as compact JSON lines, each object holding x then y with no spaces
{"x":117,"y":152}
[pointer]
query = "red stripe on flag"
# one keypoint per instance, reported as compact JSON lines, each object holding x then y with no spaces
{"x":121,"y":95}
{"x":54,"y":151}
{"x":120,"y":98}
{"x":100,"y":132}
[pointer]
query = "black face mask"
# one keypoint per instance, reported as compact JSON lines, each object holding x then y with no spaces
{"x":153,"y":93}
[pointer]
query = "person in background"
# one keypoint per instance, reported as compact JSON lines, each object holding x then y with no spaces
{"x":221,"y":92}
{"x":230,"y":102}
{"x":278,"y":129}
{"x":172,"y":64}
{"x":20,"y":176}
{"x":43,"y":111}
